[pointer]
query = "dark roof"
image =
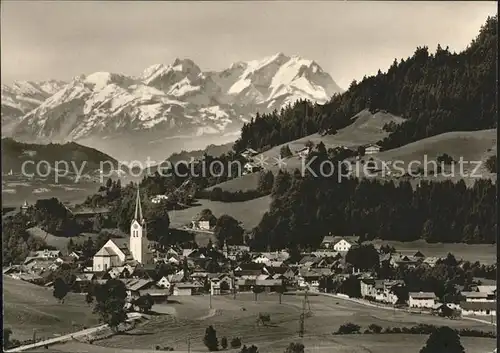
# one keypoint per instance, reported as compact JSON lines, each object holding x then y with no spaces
{"x":418,"y":254}
{"x":251,"y":266}
{"x":422,"y":295}
{"x":478,"y":305}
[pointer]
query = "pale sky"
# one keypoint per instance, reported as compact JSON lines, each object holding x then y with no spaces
{"x":62,"y":39}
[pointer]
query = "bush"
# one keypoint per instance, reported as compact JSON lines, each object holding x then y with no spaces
{"x":445,"y":159}
{"x":491,"y":164}
{"x":375,"y":328}
{"x":348,"y":328}
{"x":210,"y":339}
{"x":295,"y":348}
{"x":223,"y":342}
{"x":236,"y":342}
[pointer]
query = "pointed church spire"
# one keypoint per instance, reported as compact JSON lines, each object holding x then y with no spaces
{"x":138,"y":208}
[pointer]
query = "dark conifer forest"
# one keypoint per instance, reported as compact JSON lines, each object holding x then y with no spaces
{"x":434,"y":92}
{"x":305,"y":208}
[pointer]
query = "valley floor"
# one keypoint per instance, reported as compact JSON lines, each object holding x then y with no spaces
{"x":190,"y":316}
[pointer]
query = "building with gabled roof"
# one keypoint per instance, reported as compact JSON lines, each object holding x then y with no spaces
{"x":119,"y":251}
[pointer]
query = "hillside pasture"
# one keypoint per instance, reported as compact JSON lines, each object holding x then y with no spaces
{"x":61,"y":243}
{"x":470,"y":146}
{"x":29,"y":308}
{"x":334,"y":344}
{"x":248,"y":212}
{"x":484,"y":253}
{"x":192,"y":316}
{"x":366,"y":128}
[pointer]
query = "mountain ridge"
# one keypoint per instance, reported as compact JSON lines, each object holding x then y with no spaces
{"x":172,"y":100}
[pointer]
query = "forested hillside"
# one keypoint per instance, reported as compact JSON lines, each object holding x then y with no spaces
{"x":435,"y":93}
{"x":435,"y":211}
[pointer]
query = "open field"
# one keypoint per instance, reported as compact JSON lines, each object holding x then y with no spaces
{"x":14,"y":193}
{"x":334,"y":344}
{"x":484,"y":253}
{"x":60,"y":243}
{"x":28,"y":307}
{"x":248,"y":212}
{"x":192,"y":316}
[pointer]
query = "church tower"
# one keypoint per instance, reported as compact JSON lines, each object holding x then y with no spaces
{"x":138,"y":239}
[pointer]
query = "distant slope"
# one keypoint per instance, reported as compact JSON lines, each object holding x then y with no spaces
{"x":211,"y":150}
{"x":469,"y":145}
{"x":365,"y":128}
{"x":179,"y":101}
{"x":28,"y":307}
{"x":15,"y":154}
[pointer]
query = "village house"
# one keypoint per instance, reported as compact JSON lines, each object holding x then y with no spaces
{"x":474,"y":296}
{"x":421,"y":300}
{"x":220,"y":284}
{"x":159,"y":295}
{"x":200,"y":224}
{"x":479,"y":308}
{"x":490,"y":290}
{"x":303,"y":152}
{"x":380,"y":290}
{"x":134,"y":286}
{"x":163,"y":283}
{"x":47,"y":254}
{"x":249,"y":153}
{"x":431,"y":261}
{"x":342,"y":246}
{"x":398,"y":260}
{"x":159,"y":198}
{"x":186,"y":288}
{"x":250,"y":168}
{"x":328,"y":242}
{"x":372,"y":149}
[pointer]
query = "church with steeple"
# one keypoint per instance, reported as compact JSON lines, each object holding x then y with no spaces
{"x":120,"y":251}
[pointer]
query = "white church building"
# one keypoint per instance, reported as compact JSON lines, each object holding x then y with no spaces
{"x":119,"y":251}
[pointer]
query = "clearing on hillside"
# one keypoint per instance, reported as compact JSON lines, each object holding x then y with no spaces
{"x":248,"y":212}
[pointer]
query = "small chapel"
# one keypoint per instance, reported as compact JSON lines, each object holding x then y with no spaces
{"x":120,"y":251}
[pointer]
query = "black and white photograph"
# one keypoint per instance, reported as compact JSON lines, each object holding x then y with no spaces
{"x":249,"y":176}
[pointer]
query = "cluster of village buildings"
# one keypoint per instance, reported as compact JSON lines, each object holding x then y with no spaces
{"x":135,"y":263}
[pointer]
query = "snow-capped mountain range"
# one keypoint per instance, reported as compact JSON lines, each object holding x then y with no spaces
{"x":177,"y":101}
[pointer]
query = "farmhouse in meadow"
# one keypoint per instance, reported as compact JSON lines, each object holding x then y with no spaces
{"x":118,"y":252}
{"x":372,"y":149}
{"x":303,"y":152}
{"x":248,"y":153}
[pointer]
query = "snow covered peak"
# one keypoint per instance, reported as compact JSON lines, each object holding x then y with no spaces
{"x":164,"y":101}
{"x":185,"y":65}
{"x":99,"y":80}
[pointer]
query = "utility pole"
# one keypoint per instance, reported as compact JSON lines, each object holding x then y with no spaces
{"x":302,"y":318}
{"x":34,"y":335}
{"x":189,"y":344}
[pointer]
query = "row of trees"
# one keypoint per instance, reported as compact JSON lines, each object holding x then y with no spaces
{"x":434,"y":92}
